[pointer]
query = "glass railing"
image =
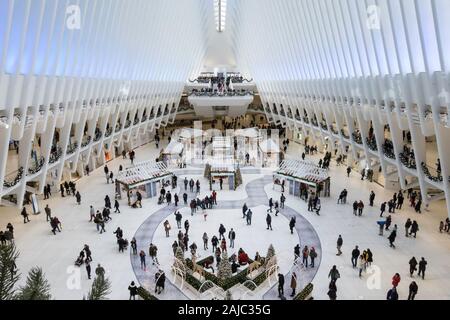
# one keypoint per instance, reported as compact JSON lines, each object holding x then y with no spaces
{"x":55,"y":156}
{"x":72,"y":148}
{"x":86,"y":141}
{"x":98,"y":135}
{"x":408,"y":160}
{"x":357,"y":137}
{"x":372,"y":143}
{"x":108,"y":132}
{"x":127,"y":124}
{"x":431,"y":173}
{"x":13,"y":182}
{"x":346,"y":136}
{"x":388,"y":149}
{"x":37,"y":166}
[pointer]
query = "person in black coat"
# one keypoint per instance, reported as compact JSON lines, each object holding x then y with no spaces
{"x":292,"y":224}
{"x":392,"y":237}
{"x":222,"y":231}
{"x":412,"y":266}
{"x":185,"y":198}
{"x":392,"y":294}
{"x":413,"y":288}
{"x":176,"y":199}
{"x":422,"y":267}
{"x":280,"y":285}
{"x":269,"y":221}
{"x":133,"y":290}
{"x":244,"y":210}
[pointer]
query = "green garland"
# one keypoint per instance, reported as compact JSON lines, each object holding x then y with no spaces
{"x":302,"y":295}
{"x":145,"y":295}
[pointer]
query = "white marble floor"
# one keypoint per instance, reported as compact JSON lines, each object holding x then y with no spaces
{"x":56,"y":254}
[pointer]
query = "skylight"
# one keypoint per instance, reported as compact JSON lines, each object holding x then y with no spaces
{"x":220,"y":13}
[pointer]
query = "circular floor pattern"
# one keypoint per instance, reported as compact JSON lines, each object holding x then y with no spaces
{"x":257,"y":197}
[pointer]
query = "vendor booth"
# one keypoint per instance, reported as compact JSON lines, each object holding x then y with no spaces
{"x":146,"y":177}
{"x":222,"y":147}
{"x":173,"y":153}
{"x":227,"y":173}
{"x":303,"y":178}
{"x":247,"y":145}
{"x":269,"y":153}
{"x":192,"y":141}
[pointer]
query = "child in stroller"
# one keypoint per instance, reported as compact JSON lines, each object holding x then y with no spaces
{"x":80,"y":259}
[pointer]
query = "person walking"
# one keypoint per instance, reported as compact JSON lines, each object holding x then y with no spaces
{"x":334,"y":274}
{"x":106,"y":170}
{"x":87,"y":263}
{"x":249,"y":217}
{"x":382,"y":208}
{"x":270,"y":205}
{"x":355,"y":207}
{"x":91,"y":213}
{"x":214,"y":243}
{"x":244,"y":210}
{"x":413,"y":288}
{"x":282,"y":201}
{"x":360,"y":208}
{"x":185,"y":198}
{"x":280,"y":286}
{"x":186,"y":182}
{"x":339,"y":244}
{"x":116,"y":206}
{"x":48,"y":213}
{"x":133,"y":290}
{"x":332,"y":290}
{"x":25,"y":215}
{"x":222,"y":231}
{"x":412,"y":266}
{"x":178,"y":218}
{"x":396,"y":280}
{"x":422,"y":267}
{"x":292,"y":224}
{"x":142,"y":258}
{"x":392,"y":294}
{"x":414,"y":228}
{"x":100,"y":271}
{"x":355,"y":255}
{"x":392,"y":237}
{"x":361,"y":264}
{"x":232,"y":237}
{"x":293,"y":283}
{"x":269,"y":221}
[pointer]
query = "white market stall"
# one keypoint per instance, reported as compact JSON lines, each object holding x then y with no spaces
{"x":173,"y":153}
{"x":247,"y":145}
{"x":269,"y":152}
{"x":148,"y":177}
{"x":303,"y":177}
{"x":192,"y":141}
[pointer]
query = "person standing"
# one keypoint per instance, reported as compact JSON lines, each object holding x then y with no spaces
{"x":244,"y":210}
{"x":186,"y":182}
{"x":91,"y":213}
{"x":412,"y":266}
{"x":205,"y":241}
{"x":270,"y":205}
{"x":133,"y":290}
{"x":313,"y":256}
{"x":185,"y":198}
{"x":407,"y":226}
{"x":413,"y":288}
{"x":142,"y":257}
{"x":100,"y":271}
{"x":167,"y":227}
{"x":388,"y":222}
{"x":349,"y":170}
{"x":176,"y":199}
{"x":371,"y":198}
{"x":232,"y":237}
{"x":78,"y":197}
{"x":269,"y":221}
{"x":360,"y":208}
{"x":133,"y":246}
{"x":396,"y":280}
{"x":280,"y":285}
{"x":106,"y":170}
{"x":355,"y":207}
{"x":293,"y":284}
{"x":249,"y":217}
{"x":222,"y":231}
{"x":88,"y":268}
{"x":355,"y":255}
{"x":48,"y":213}
{"x":178,"y":218}
{"x":339,"y":244}
{"x":305,"y":255}
{"x":214,"y":243}
{"x":422,"y":267}
{"x":382,"y":208}
{"x":332,"y":289}
{"x":282,"y":201}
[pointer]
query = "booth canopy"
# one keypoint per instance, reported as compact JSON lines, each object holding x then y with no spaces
{"x":188,"y":133}
{"x":249,"y":133}
{"x":269,"y":146}
{"x":142,"y":173}
{"x":303,"y":170}
{"x":173,"y":147}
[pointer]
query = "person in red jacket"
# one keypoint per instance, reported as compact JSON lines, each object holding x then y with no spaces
{"x":396,"y":280}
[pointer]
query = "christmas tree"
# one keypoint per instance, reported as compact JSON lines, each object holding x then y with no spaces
{"x":224,"y":269}
{"x":100,"y":289}
{"x":238,"y":179}
{"x":36,"y":287}
{"x":179,"y":255}
{"x":8,"y":275}
{"x":270,"y":253}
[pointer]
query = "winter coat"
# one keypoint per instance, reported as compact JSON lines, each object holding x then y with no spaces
{"x":293,"y":283}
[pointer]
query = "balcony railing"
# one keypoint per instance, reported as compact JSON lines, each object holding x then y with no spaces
{"x":324,"y":126}
{"x":333,"y":130}
{"x":144,"y":118}
{"x":72,"y":148}
{"x":108,"y":132}
{"x":37,"y":167}
{"x":408,"y":160}
{"x":346,"y":136}
{"x":118,"y":127}
{"x":127,"y":124}
{"x":55,"y":156}
{"x":98,"y":135}
{"x":436,"y":176}
{"x":136,"y":121}
{"x":314,"y":123}
{"x":372,"y":143}
{"x":86,"y":141}
{"x":15,"y":181}
{"x":357,"y":137}
{"x":388,"y":149}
